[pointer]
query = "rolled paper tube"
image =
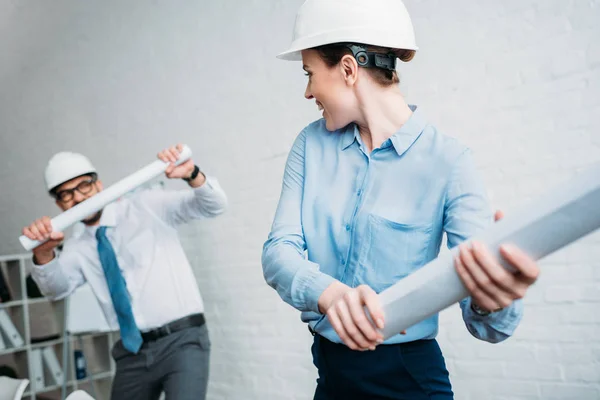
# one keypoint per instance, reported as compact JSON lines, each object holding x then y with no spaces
{"x":556,"y":219}
{"x":107,"y":196}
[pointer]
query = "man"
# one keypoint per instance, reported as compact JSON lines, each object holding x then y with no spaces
{"x":132,"y":258}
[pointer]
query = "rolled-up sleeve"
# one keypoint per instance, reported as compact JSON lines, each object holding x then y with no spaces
{"x":466,"y":213}
{"x":298,"y":281}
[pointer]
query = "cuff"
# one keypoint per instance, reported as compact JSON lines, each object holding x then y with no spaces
{"x":207,"y":187}
{"x":310,"y":285}
{"x":504,"y":321}
{"x":42,"y":271}
{"x":470,"y":315}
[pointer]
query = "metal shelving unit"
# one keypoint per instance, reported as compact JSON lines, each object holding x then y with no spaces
{"x":96,"y":346}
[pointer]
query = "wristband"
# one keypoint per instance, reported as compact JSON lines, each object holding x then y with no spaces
{"x":194,"y":174}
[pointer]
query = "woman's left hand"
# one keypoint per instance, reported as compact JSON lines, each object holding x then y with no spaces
{"x":490,"y":285}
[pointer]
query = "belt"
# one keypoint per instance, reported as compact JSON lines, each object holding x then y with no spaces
{"x":190,"y":321}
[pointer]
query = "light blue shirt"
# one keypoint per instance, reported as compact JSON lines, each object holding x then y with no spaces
{"x":375,"y":218}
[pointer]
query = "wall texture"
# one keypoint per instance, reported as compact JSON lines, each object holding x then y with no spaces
{"x":518,"y":81}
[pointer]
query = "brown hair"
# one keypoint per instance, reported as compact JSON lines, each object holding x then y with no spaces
{"x":333,"y":53}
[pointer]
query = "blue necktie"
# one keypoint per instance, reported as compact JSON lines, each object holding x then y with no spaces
{"x":130,"y":334}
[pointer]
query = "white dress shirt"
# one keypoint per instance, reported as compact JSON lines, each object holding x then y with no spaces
{"x":143,"y":232}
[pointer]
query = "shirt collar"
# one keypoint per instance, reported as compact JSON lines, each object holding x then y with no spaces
{"x":401,"y":140}
{"x":108,"y":218}
{"x":350,"y":136}
{"x":409,"y":132}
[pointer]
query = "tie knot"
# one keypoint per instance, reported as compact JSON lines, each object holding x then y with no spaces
{"x":101,"y":233}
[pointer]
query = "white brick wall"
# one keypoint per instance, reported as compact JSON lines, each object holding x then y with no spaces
{"x":518,"y":81}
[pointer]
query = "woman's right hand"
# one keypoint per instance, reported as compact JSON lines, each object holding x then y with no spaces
{"x":344,"y":307}
{"x":41,"y":230}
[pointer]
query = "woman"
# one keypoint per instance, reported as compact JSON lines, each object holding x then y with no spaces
{"x":369,"y":191}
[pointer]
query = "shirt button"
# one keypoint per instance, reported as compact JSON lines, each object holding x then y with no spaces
{"x":359,"y":193}
{"x":343,"y":261}
{"x":348,"y":227}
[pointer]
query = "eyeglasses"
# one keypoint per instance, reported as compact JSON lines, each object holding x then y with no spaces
{"x":84,"y":187}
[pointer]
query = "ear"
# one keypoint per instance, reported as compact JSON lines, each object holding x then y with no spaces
{"x":349,"y":69}
{"x":99,"y":185}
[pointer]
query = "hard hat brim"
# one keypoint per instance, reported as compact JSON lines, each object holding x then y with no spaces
{"x":53,"y":185}
{"x":291,"y":55}
{"x":365,"y":35}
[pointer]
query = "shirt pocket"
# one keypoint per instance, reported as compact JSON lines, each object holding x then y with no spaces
{"x":392,"y":250}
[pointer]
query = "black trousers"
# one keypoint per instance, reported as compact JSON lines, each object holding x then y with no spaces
{"x":411,"y":371}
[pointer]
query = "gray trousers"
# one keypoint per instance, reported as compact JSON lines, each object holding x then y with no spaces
{"x":176,"y":364}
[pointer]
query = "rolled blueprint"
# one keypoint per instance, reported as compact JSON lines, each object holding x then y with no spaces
{"x":561,"y":216}
{"x":107,"y":196}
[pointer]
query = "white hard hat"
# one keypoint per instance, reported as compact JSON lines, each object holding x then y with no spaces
{"x":65,"y":166}
{"x":383,"y":23}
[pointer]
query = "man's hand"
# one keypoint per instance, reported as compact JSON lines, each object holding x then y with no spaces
{"x":490,"y":285}
{"x":41,"y":230}
{"x":171,"y":155}
{"x":344,"y":307}
{"x":184,"y":170}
